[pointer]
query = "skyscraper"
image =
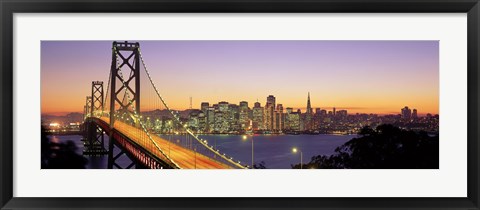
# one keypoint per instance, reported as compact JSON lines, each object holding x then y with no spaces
{"x":270,"y":113}
{"x":279,"y":118}
{"x":210,"y":121}
{"x":243,"y":115}
{"x":223,"y":106}
{"x":309,"y":115}
{"x":243,"y":105}
{"x":271,"y":100}
{"x":414,"y":114}
{"x":233,"y":116}
{"x":204,"y":106}
{"x":289,"y":110}
{"x":258,"y":117}
{"x":309,"y":106}
{"x":292,"y":120}
{"x":406,"y":113}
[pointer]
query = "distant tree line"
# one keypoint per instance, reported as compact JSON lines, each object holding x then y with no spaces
{"x":386,"y":147}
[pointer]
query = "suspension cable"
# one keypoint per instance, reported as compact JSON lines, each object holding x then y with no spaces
{"x":204,"y":142}
{"x":108,"y":87}
{"x":137,"y":116}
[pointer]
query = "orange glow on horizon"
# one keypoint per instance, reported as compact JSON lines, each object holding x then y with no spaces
{"x":422,"y":110}
{"x":379,"y":77}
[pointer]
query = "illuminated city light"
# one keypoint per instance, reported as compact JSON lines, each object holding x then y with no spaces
{"x":54,"y":124}
{"x":235,"y":119}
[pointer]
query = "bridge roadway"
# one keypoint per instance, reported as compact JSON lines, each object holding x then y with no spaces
{"x":183,"y":157}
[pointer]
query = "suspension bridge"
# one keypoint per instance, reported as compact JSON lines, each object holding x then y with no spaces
{"x":155,"y":137}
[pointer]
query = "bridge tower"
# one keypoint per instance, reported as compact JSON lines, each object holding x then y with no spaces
{"x":95,"y":135}
{"x":88,"y":102}
{"x":125,"y":87}
{"x":86,"y":112}
{"x":97,"y":97}
{"x":125,"y":80}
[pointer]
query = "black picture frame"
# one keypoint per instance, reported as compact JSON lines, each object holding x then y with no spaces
{"x":10,"y":7}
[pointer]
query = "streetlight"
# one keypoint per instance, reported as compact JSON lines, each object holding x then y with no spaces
{"x":295,"y":150}
{"x":245,"y":138}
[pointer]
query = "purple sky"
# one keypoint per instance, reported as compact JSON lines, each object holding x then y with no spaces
{"x":364,"y":76}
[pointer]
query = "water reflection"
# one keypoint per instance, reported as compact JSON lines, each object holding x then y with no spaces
{"x":273,"y":150}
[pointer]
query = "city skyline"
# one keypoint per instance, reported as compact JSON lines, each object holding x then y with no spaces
{"x":236,"y":68}
{"x":251,"y":104}
{"x":247,"y":90}
{"x":273,"y":118}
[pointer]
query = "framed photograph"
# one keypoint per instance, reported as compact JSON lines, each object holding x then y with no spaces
{"x":260,"y":104}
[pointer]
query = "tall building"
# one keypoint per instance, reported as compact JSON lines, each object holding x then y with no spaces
{"x":309,"y":106}
{"x":222,"y":117}
{"x":289,"y":110}
{"x":309,"y":115}
{"x":406,"y":113}
{"x":271,"y":99}
{"x":323,"y":112}
{"x":341,"y":115}
{"x":233,"y":116}
{"x":221,"y":124}
{"x":292,"y":120}
{"x":270,"y":113}
{"x":279,"y":121}
{"x":414,"y":114}
{"x":202,"y":122}
{"x":204,"y":106}
{"x":193,"y":121}
{"x":243,"y":115}
{"x":317,"y":118}
{"x":223,"y":106}
{"x":243,"y":105}
{"x":210,"y":119}
{"x":258,"y":117}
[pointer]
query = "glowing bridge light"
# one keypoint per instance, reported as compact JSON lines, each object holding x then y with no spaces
{"x":135,"y":117}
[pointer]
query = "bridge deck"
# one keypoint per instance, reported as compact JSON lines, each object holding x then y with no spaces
{"x":183,"y":157}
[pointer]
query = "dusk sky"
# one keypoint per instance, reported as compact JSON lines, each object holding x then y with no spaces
{"x":360,"y":76}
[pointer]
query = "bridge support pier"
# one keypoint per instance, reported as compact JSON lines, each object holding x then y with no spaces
{"x":138,"y":156}
{"x":112,"y":158}
{"x":94,"y":144}
{"x":110,"y":151}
